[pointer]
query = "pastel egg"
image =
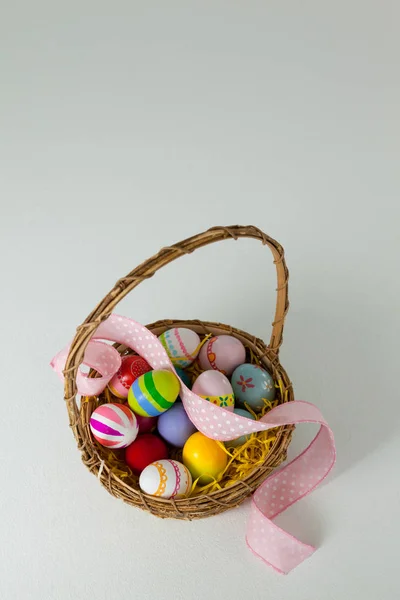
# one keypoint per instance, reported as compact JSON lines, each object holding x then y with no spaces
{"x":131,"y":368}
{"x":243,"y":438}
{"x":222,"y":353}
{"x":251,"y":384}
{"x":216,"y":388}
{"x":153,"y":393}
{"x":204,"y":458}
{"x":184,"y":376}
{"x":166,"y":479}
{"x":113,"y":425}
{"x":182,"y":345}
{"x":175,"y":426}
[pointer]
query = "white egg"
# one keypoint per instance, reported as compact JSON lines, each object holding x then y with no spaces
{"x":166,"y":479}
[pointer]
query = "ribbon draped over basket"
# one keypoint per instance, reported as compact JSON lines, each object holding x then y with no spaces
{"x":283,"y":488}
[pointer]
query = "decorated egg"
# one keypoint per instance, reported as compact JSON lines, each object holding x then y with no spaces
{"x":113,"y":425}
{"x":184,"y":376}
{"x":131,"y":368}
{"x":166,"y":479}
{"x":216,"y":388}
{"x":153,"y":393}
{"x":175,"y":426}
{"x":243,"y":438}
{"x":145,"y":449}
{"x":146,"y":424}
{"x":204,"y":458}
{"x":182,"y":345}
{"x":222,"y":353}
{"x":251,"y":384}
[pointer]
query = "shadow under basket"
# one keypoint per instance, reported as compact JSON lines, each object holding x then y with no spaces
{"x":108,"y":465}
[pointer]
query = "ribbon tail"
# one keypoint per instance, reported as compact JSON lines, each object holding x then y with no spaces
{"x":288,"y":553}
{"x":272,"y":544}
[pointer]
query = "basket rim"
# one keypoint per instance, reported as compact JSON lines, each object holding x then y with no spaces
{"x":243,"y":488}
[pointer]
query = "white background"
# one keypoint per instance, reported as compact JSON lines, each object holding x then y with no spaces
{"x":126,"y":126}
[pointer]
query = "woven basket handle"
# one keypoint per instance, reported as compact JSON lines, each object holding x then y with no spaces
{"x":151,"y":266}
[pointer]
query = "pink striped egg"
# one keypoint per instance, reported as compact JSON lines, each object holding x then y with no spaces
{"x":114,"y":425}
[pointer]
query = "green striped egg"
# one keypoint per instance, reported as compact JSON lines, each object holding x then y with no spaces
{"x":153,"y":393}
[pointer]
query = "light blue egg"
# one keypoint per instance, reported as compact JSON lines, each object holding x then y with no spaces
{"x":251,"y":384}
{"x":184,"y":376}
{"x":243,"y":438}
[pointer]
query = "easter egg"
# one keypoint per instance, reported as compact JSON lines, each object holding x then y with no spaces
{"x":146,"y":424}
{"x":251,"y":384}
{"x":175,"y":426}
{"x":113,"y":425}
{"x":216,"y":388}
{"x":166,"y":479}
{"x":181,"y":344}
{"x":222,"y":353}
{"x":131,"y":368}
{"x":184,"y":376}
{"x":153,"y":393}
{"x":243,"y":438}
{"x":204,"y":458}
{"x":145,"y":449}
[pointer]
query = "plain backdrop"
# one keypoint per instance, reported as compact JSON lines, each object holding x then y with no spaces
{"x":126,"y":126}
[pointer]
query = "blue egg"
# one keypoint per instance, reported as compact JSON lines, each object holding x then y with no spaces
{"x":184,"y":376}
{"x":243,"y":438}
{"x":251,"y":384}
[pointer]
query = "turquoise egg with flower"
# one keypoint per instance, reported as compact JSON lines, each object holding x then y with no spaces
{"x":184,"y":377}
{"x":251,"y":385}
{"x":239,"y":441}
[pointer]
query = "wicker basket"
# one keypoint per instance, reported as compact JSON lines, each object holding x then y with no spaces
{"x":95,"y":458}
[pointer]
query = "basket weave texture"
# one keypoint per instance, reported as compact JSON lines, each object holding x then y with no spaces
{"x":96,"y":458}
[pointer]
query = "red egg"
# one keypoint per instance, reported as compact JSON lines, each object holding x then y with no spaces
{"x":131,"y":368}
{"x":146,"y":424}
{"x":143,"y":451}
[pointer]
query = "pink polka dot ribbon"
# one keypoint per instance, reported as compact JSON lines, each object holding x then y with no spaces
{"x":283,"y":488}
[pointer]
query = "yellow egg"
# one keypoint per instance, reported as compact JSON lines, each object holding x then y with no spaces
{"x":204,"y":458}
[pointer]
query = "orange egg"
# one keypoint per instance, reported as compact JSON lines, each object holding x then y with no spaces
{"x":204,"y":458}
